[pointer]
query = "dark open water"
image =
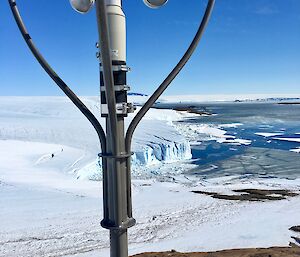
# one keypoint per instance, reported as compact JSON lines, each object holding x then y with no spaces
{"x":265,"y":157}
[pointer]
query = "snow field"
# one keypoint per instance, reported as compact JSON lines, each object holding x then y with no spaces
{"x":50,"y":208}
{"x":44,"y":220}
{"x":55,"y":120}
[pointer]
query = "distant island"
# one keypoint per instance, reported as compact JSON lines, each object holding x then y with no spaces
{"x":284,"y":100}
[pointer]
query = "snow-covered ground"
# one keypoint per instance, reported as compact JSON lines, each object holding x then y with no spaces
{"x":49,"y":207}
{"x":55,"y":120}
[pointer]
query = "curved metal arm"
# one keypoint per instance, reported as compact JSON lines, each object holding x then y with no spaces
{"x":62,"y":85}
{"x":170,"y":77}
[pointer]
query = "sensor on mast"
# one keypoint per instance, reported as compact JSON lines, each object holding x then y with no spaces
{"x":155,"y":3}
{"x":82,"y":6}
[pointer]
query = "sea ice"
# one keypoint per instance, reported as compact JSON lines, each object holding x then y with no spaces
{"x":268,"y":134}
{"x":207,"y":132}
{"x":296,"y":150}
{"x":288,"y":139}
{"x":230,"y":125}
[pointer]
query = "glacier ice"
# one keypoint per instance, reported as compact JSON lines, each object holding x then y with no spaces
{"x":55,"y":120}
{"x":162,"y":152}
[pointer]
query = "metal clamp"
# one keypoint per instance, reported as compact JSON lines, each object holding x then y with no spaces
{"x":118,"y":88}
{"x":118,"y":67}
{"x":121,"y":108}
{"x":131,"y":108}
{"x":108,"y":224}
{"x":120,"y":156}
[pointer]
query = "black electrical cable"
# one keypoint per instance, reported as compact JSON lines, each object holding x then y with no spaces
{"x":158,"y":93}
{"x":171,"y":76}
{"x":62,"y":85}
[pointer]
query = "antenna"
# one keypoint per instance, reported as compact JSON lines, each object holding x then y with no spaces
{"x":115,"y":145}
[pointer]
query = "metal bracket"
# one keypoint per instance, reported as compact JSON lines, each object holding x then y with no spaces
{"x":119,"y":68}
{"x":131,"y":108}
{"x":118,"y":88}
{"x":130,"y":222}
{"x":122,"y":155}
{"x":122,"y":108}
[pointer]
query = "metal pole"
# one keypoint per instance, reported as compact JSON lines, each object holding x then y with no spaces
{"x":114,"y":107}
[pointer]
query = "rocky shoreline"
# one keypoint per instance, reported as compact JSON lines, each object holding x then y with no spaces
{"x":269,"y":252}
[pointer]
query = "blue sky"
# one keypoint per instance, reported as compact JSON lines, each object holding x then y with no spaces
{"x":250,"y":46}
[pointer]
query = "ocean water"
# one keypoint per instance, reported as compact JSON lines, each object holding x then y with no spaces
{"x":265,"y":157}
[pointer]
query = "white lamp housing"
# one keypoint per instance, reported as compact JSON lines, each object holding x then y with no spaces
{"x":155,"y":3}
{"x":82,"y":6}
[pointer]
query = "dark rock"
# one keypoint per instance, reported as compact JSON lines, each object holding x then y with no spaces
{"x":251,"y":195}
{"x":295,"y":228}
{"x":297,"y":239}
